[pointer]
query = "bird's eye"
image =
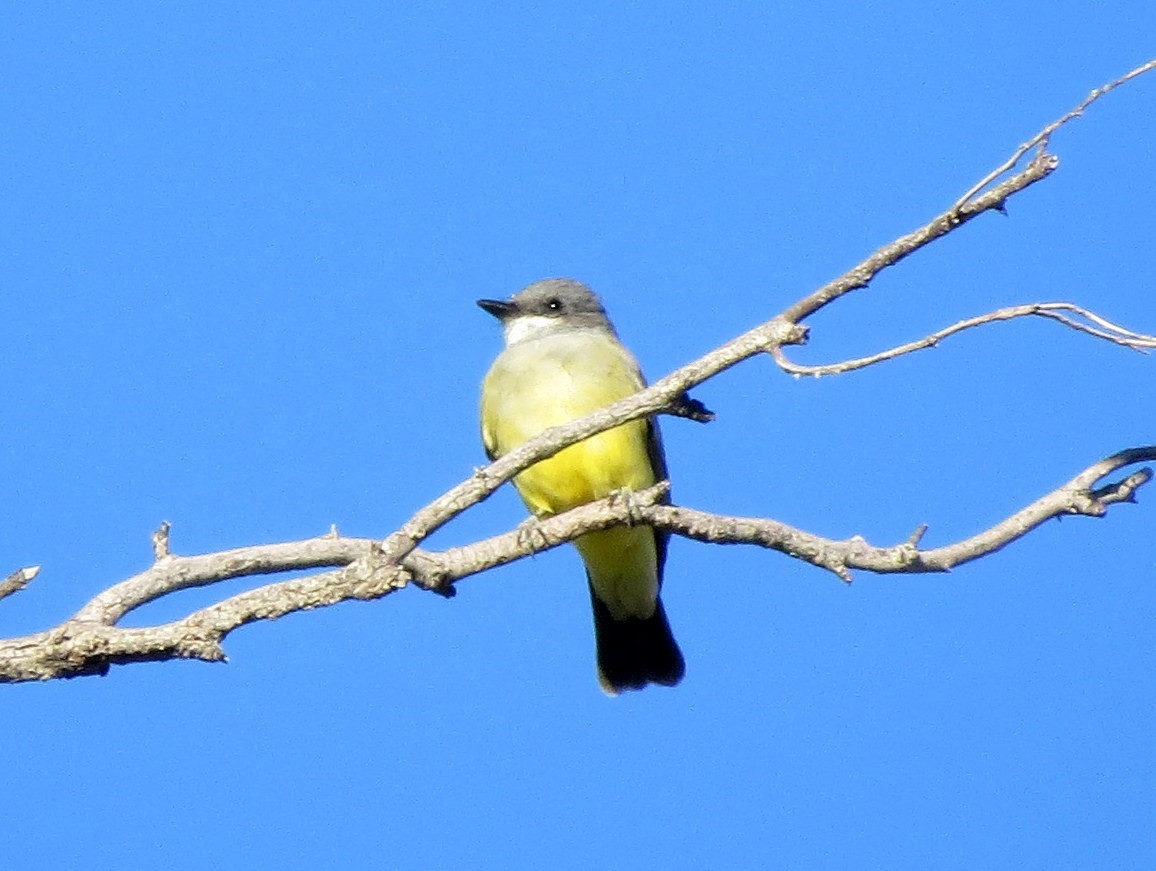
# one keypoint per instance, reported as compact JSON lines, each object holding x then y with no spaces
{"x":554,"y":304}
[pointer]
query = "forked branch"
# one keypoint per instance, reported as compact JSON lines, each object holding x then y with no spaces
{"x":92,"y":640}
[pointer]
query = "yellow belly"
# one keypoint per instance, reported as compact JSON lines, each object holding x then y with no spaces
{"x":589,"y":470}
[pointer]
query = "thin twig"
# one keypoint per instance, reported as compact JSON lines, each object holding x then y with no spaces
{"x":1044,"y":136}
{"x":1052,"y":310}
{"x":17,"y":581}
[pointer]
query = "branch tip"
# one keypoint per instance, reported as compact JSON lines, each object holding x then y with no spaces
{"x":917,"y":535}
{"x":1043,"y":159}
{"x":160,"y":540}
{"x":1123,"y":490}
{"x":18,"y":580}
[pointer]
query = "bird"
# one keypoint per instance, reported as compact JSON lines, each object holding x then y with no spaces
{"x":563,"y":360}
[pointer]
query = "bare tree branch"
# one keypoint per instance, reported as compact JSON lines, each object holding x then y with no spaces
{"x":91,"y":640}
{"x":1075,"y":497}
{"x":1054,"y":310}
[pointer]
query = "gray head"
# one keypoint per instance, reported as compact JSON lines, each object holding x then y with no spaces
{"x":545,"y":307}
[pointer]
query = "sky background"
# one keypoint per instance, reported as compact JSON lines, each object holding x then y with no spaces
{"x":239,"y":251}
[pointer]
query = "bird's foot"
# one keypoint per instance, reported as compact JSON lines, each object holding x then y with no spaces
{"x":530,"y":536}
{"x":628,"y":500}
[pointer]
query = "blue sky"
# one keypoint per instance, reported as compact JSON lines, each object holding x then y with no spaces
{"x":239,"y":253}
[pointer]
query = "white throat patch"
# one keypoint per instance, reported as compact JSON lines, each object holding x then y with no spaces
{"x":526,"y":327}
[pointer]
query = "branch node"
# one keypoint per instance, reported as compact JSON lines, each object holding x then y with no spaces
{"x":690,"y":408}
{"x":430,"y":573}
{"x":833,"y":559}
{"x":483,"y":476}
{"x":793,"y":333}
{"x":206,"y":648}
{"x":1086,"y":502}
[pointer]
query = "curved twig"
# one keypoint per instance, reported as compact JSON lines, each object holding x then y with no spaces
{"x":1054,"y":310}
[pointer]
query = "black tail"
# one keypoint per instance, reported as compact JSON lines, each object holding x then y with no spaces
{"x":635,"y":652}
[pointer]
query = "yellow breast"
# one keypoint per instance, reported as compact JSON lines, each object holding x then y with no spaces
{"x":546,"y":382}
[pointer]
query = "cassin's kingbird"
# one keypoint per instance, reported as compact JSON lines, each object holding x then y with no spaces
{"x":562,"y":361}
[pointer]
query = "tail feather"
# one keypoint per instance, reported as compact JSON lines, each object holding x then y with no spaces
{"x":636,"y":651}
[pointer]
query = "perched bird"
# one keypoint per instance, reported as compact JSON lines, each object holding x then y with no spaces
{"x":562,"y":361}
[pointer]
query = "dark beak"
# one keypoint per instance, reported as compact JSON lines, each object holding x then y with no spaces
{"x":499,"y":308}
